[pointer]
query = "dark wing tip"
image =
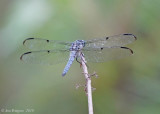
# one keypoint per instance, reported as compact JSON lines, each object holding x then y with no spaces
{"x":24,"y":54}
{"x":107,"y":38}
{"x":131,"y":35}
{"x":128,"y":49}
{"x":27,"y":39}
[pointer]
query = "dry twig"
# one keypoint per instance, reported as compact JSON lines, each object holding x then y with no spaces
{"x":88,"y":85}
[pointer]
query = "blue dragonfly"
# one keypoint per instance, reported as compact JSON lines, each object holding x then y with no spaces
{"x":95,"y":50}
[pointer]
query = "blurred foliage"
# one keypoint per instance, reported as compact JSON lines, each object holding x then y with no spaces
{"x":127,"y":86}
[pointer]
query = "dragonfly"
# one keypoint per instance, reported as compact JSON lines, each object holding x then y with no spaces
{"x":51,"y":52}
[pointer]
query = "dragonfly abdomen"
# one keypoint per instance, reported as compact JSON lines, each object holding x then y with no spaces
{"x":69,"y":63}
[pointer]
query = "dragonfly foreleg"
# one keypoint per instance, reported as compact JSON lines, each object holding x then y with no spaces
{"x":78,"y":61}
{"x":83,"y":60}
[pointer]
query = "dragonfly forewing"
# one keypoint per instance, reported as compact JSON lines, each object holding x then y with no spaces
{"x":43,"y":44}
{"x":116,"y":40}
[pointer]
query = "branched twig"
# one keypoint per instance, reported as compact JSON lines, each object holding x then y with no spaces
{"x":94,"y":74}
{"x":80,"y":85}
{"x":88,"y":85}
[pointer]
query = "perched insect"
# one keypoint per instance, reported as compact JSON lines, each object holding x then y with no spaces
{"x":94,"y":50}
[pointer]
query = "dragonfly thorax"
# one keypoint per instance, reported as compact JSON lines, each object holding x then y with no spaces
{"x":77,"y":45}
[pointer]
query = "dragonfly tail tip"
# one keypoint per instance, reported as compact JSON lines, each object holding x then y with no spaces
{"x":63,"y":74}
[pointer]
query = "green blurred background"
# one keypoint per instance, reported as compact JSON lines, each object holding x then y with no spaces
{"x":127,"y":86}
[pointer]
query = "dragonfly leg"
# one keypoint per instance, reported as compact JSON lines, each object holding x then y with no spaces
{"x":84,"y":60}
{"x":78,"y":61}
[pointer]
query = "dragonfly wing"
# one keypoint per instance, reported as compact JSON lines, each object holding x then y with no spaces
{"x":116,"y":40}
{"x":106,"y":54}
{"x":47,"y":57}
{"x":43,"y":44}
